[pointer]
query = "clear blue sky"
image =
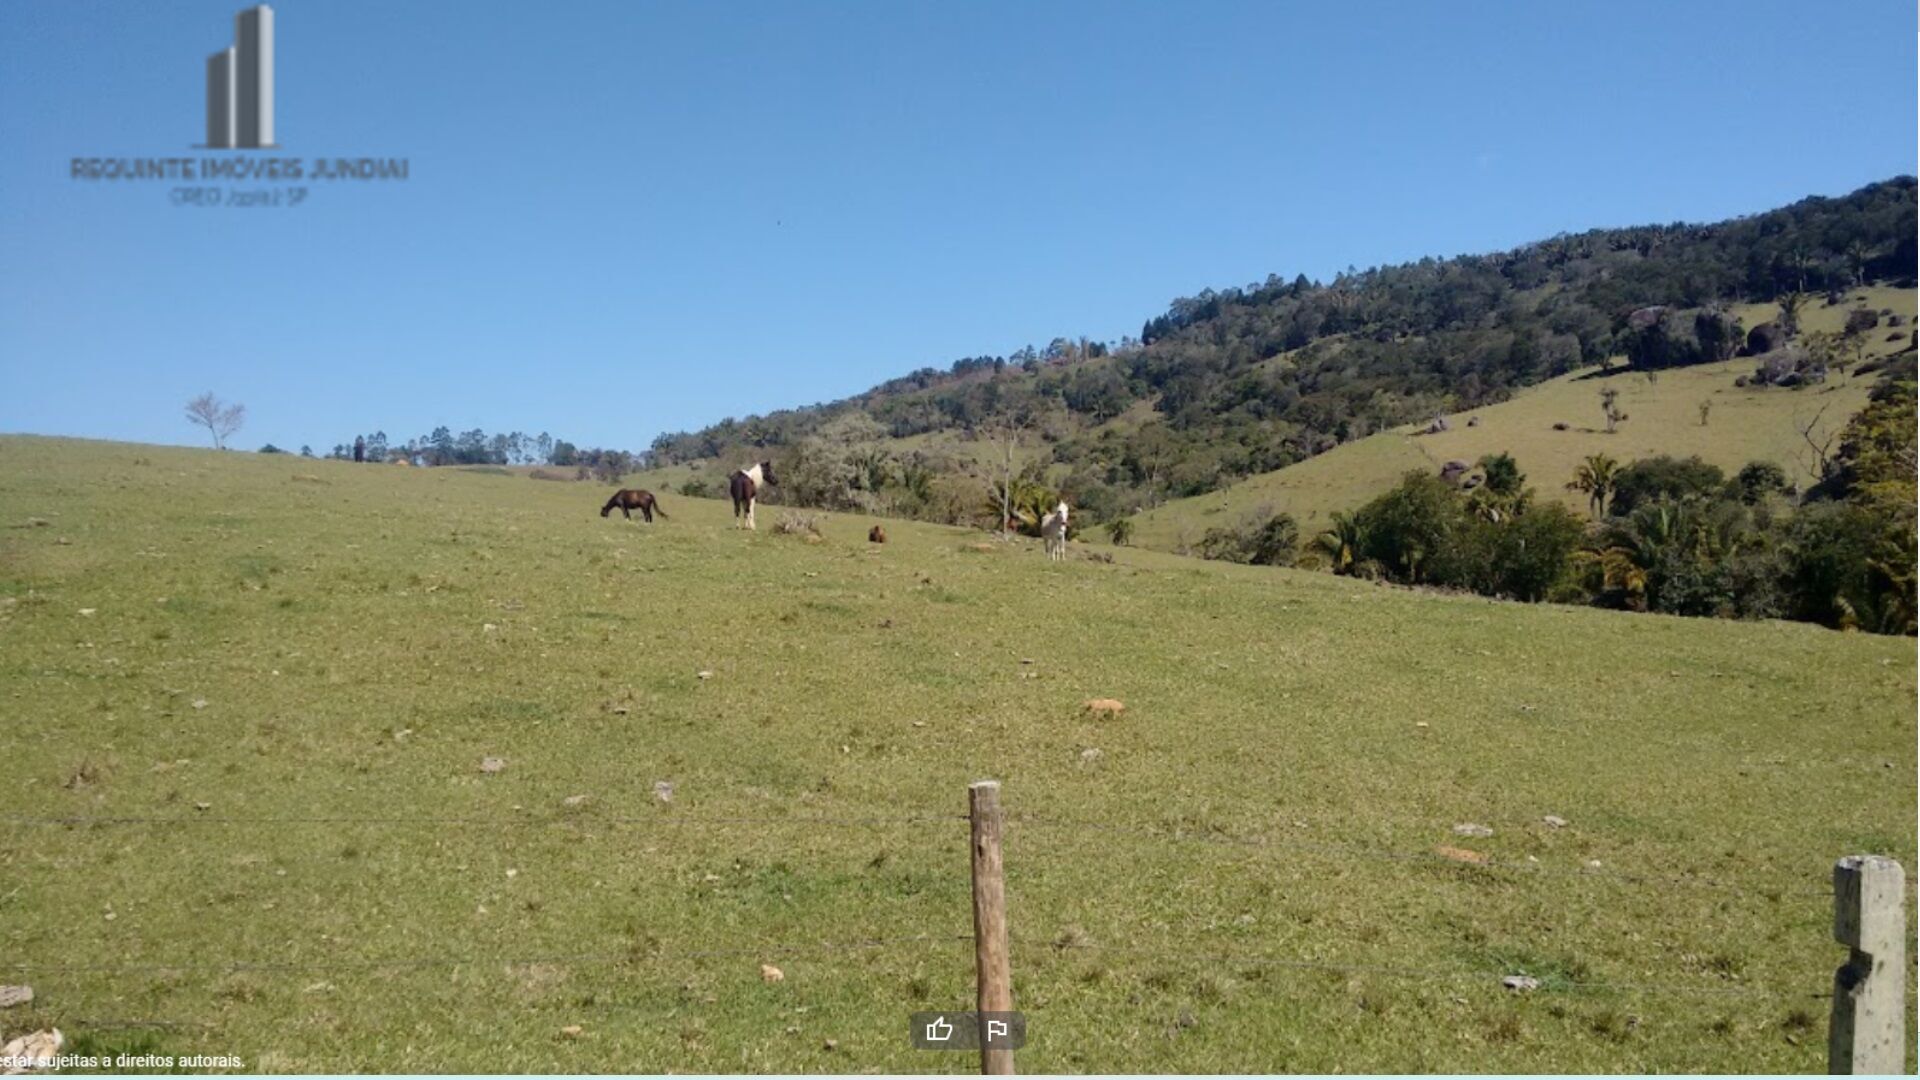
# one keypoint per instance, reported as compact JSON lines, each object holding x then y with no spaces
{"x":624,"y":218}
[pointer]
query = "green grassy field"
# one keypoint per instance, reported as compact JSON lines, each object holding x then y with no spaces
{"x":280,"y":677}
{"x":1663,"y":418}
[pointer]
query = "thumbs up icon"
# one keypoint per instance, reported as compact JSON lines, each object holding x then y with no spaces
{"x":939,"y":1030}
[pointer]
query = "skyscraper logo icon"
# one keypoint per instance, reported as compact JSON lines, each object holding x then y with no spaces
{"x":240,"y":86}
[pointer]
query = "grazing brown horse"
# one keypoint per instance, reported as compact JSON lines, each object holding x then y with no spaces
{"x":631,"y":499}
{"x":744,"y":486}
{"x":876,"y":535}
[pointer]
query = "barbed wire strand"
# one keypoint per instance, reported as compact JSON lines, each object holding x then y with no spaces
{"x":1435,"y":974}
{"x":634,"y":954}
{"x":685,"y":819}
{"x":1356,"y":851}
{"x":584,"y":818}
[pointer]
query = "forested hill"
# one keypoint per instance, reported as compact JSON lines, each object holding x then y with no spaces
{"x":1242,"y":380}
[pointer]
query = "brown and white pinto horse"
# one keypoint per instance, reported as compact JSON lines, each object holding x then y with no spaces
{"x":631,"y":499}
{"x":744,"y":486}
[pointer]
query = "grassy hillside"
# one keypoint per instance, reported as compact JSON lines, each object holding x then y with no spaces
{"x":268,"y":685}
{"x":1743,"y":425}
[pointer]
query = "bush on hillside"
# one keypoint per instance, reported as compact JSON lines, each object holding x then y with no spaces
{"x":1662,"y":477}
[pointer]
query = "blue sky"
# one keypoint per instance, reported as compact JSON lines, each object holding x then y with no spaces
{"x":623,"y":218}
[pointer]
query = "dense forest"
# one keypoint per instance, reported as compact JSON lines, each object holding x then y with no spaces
{"x":1242,"y":380}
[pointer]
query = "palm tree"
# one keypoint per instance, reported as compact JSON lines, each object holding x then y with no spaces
{"x":1595,"y":478}
{"x":1342,"y":541}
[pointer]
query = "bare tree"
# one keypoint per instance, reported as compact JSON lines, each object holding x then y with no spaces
{"x":220,"y":420}
{"x":1819,"y":459}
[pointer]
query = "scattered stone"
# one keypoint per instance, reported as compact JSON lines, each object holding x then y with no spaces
{"x":1593,"y":864}
{"x":771,"y":974}
{"x":1473,"y":421}
{"x":1420,"y":723}
{"x":203,"y":806}
{"x":489,"y":627}
{"x":200,"y":703}
{"x":573,"y":801}
{"x":1560,"y":425}
{"x":35,"y":1051}
{"x":1862,"y":321}
{"x":1555,"y":821}
{"x":1104,"y":707}
{"x":1460,"y":854}
{"x":1438,"y":425}
{"x":15,"y":995}
{"x":830,"y":1045}
{"x":663,"y":790}
{"x":38,"y":523}
{"x":1765,"y":338}
{"x":88,"y":610}
{"x":512,"y":873}
{"x":492,"y":764}
{"x":1470,"y":829}
{"x":1091,"y":754}
{"x":703,"y":675}
{"x":1520,"y":983}
{"x":1646,"y":318}
{"x":572,"y":1031}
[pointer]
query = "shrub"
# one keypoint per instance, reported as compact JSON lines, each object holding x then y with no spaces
{"x":795,"y":523}
{"x":1262,"y":540}
{"x":696,"y":488}
{"x":1662,"y":477}
{"x":1120,"y":530}
{"x":1758,"y":479}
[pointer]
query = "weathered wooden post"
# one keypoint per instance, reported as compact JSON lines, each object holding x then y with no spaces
{"x":1868,"y":1032}
{"x":993,"y":967}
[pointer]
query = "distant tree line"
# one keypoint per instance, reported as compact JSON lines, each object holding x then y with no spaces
{"x":443,"y":447}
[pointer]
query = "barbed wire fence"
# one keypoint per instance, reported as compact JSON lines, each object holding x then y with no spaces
{"x":1867,"y":1030}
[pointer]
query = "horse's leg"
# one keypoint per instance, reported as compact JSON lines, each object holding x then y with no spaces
{"x":750,"y":501}
{"x":647,"y":510}
{"x":625,"y":513}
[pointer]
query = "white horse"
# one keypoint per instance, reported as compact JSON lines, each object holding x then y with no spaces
{"x":744,"y":486}
{"x":1053,"y":530}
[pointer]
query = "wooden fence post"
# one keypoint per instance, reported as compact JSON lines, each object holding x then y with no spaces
{"x":993,"y":967}
{"x":1868,"y":1032}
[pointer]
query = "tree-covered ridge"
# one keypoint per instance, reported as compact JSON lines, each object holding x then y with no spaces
{"x":1242,"y":380}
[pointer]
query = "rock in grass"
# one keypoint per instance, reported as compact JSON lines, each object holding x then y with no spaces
{"x":1555,"y":821}
{"x":1461,"y":855}
{"x":574,"y":801}
{"x":492,"y":764}
{"x":571,"y":1031}
{"x":1520,"y":983}
{"x":1470,"y":829}
{"x":1104,"y":707}
{"x":663,"y":790}
{"x":15,"y":995}
{"x":28,"y":1051}
{"x":771,"y":974}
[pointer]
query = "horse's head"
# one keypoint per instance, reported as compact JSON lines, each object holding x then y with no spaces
{"x":1061,"y":509}
{"x":766,"y":472}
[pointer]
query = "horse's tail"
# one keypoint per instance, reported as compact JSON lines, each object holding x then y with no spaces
{"x":658,"y":509}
